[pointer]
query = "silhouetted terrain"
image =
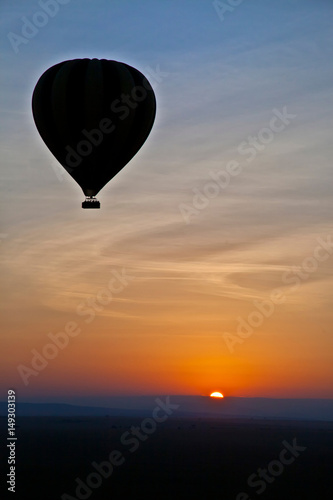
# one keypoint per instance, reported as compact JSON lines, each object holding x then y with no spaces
{"x":300,"y":409}
{"x":194,"y":458}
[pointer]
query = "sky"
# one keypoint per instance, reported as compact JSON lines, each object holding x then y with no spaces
{"x":209,"y":265}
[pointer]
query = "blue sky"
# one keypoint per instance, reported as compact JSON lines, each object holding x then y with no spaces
{"x":217,"y":83}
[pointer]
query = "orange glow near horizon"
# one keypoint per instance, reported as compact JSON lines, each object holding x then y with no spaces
{"x":164,"y":331}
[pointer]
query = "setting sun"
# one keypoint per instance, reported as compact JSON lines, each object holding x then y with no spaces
{"x":216,"y":395}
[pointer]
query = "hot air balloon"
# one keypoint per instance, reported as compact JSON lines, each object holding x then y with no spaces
{"x":94,"y":116}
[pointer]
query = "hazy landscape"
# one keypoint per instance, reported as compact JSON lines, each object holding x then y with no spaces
{"x":191,"y":454}
{"x":198,"y":406}
{"x":185,"y":458}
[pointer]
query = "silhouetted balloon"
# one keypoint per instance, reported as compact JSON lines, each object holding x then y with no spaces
{"x":93,"y":115}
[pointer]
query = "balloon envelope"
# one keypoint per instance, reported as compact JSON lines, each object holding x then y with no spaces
{"x":93,"y":115}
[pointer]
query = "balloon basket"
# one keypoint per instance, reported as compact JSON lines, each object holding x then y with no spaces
{"x":91,"y":202}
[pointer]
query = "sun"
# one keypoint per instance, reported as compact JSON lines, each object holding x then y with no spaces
{"x":216,"y":395}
